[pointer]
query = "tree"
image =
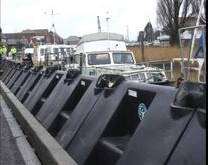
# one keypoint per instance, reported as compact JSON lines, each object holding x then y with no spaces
{"x":156,"y":34}
{"x":173,"y":14}
{"x":148,"y":32}
{"x":140,"y":36}
{"x":196,"y":7}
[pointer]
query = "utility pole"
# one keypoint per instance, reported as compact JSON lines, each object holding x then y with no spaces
{"x":98,"y":23}
{"x":52,"y":14}
{"x":142,"y":46}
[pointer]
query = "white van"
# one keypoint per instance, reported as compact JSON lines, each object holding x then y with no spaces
{"x":52,"y":53}
{"x":103,"y":53}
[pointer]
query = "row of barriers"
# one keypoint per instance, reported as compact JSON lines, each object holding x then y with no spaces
{"x":109,"y":120}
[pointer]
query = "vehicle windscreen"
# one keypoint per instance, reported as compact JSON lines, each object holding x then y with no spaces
{"x":62,"y":50}
{"x":155,"y":77}
{"x":123,"y":58}
{"x":42,"y":52}
{"x":68,"y":50}
{"x":55,"y":50}
{"x":99,"y":59}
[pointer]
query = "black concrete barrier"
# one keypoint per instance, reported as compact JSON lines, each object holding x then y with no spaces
{"x":92,"y":128}
{"x":110,"y":120}
{"x":166,"y":134}
{"x":15,"y":77}
{"x":42,"y":90}
{"x":45,"y":146}
{"x":5,"y":73}
{"x":6,"y":67}
{"x":10,"y":74}
{"x":29,"y":85}
{"x":63,"y":100}
{"x":20,"y":81}
{"x":80,"y":112}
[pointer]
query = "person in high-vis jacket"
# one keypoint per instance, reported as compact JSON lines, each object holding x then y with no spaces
{"x":4,"y":50}
{"x":13,"y":52}
{"x":1,"y":53}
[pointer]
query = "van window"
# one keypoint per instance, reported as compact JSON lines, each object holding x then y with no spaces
{"x":99,"y":59}
{"x":123,"y":58}
{"x":62,"y":50}
{"x":68,"y":50}
{"x":55,"y":50}
{"x":48,"y":50}
{"x":42,"y":52}
{"x":76,"y":59}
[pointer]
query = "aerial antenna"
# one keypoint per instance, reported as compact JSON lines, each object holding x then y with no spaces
{"x":107,"y":21}
{"x":127,"y":32}
{"x":98,"y":23}
{"x":148,"y":18}
{"x":52,"y":14}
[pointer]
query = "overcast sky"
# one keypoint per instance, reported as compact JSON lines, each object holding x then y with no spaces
{"x":78,"y":17}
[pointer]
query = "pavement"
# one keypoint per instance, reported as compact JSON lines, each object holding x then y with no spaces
{"x":14,"y":148}
{"x":9,"y":152}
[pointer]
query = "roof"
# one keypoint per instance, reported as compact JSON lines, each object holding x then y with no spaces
{"x":186,"y":35}
{"x":72,"y":38}
{"x":40,"y":31}
{"x":107,"y":51}
{"x":101,"y":36}
{"x":163,"y":37}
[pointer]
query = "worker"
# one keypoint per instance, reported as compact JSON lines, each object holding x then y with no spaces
{"x":4,"y":50}
{"x":13,"y":52}
{"x":1,"y":53}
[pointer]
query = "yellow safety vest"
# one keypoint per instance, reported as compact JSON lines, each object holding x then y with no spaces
{"x":13,"y":50}
{"x":4,"y":50}
{"x":1,"y":51}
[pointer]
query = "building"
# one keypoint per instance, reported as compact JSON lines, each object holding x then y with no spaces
{"x":29,"y":38}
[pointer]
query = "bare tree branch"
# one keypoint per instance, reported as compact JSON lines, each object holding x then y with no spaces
{"x":174,"y":14}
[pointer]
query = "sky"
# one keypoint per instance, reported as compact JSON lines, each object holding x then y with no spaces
{"x":78,"y":17}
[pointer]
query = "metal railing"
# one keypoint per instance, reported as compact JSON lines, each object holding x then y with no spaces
{"x":186,"y":66}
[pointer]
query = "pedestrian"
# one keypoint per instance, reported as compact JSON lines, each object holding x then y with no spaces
{"x":180,"y":80}
{"x":29,"y":59}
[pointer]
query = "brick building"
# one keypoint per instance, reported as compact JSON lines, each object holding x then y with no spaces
{"x":29,"y":38}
